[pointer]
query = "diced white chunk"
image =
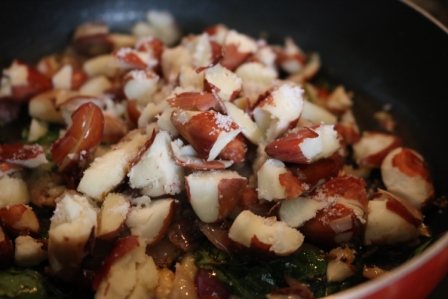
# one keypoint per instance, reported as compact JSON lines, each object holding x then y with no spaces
{"x":317,"y":114}
{"x":269,"y":187}
{"x":72,"y":225}
{"x":156,"y":172}
{"x":248,"y":227}
{"x":205,"y":192}
{"x":227,"y":82}
{"x":14,"y":191}
{"x":152,"y":220}
{"x":297,"y":211}
{"x":28,"y":252}
{"x":106,"y":172}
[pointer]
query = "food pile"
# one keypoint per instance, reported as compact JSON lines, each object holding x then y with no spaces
{"x":209,"y":166}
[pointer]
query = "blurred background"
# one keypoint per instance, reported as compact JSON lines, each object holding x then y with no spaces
{"x":439,"y":10}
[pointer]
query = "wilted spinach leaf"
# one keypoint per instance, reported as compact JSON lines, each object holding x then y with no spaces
{"x":17,"y":283}
{"x":22,"y":284}
{"x":46,"y":140}
{"x":250,"y":278}
{"x":323,"y":288}
{"x":422,"y":247}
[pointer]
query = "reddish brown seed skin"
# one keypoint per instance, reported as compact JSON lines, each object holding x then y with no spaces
{"x":401,"y":207}
{"x":78,"y":79}
{"x":36,"y":83}
{"x":293,"y":185}
{"x":122,"y":247}
{"x":133,"y":113}
{"x":130,"y":58}
{"x":19,"y":152}
{"x":201,"y":131}
{"x":287,"y":148}
{"x":81,"y":138}
{"x":232,"y":57}
{"x":323,"y":169}
{"x":230,"y":191}
{"x":235,"y":150}
{"x":410,"y":164}
{"x":19,"y":219}
{"x":376,"y":159}
{"x":196,"y":101}
{"x":319,"y":228}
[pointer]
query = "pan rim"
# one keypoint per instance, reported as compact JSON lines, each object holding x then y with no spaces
{"x":426,"y":14}
{"x":440,"y":247}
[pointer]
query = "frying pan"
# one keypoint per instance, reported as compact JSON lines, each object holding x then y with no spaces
{"x":386,"y":52}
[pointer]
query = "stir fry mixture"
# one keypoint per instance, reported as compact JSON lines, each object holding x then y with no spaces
{"x":212,"y":165}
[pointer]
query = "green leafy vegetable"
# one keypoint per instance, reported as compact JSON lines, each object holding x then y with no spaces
{"x":323,"y":288}
{"x":46,"y":140}
{"x":241,"y":276}
{"x":253,"y":279}
{"x":24,"y":135}
{"x":51,"y":136}
{"x":422,"y":247}
{"x":325,"y":83}
{"x":389,"y":257}
{"x":308,"y":96}
{"x":305,"y":265}
{"x":18,"y":283}
{"x":22,"y":284}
